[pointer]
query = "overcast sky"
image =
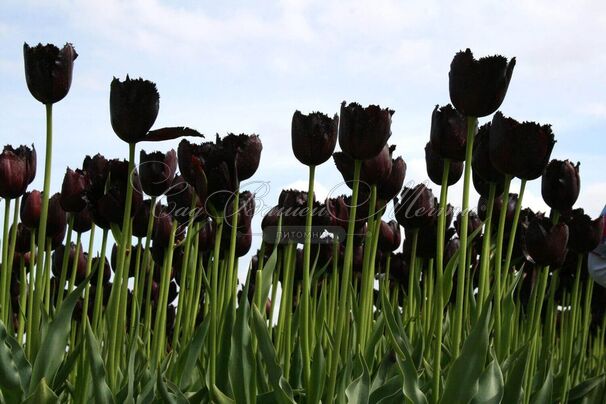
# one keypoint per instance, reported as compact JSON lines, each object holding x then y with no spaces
{"x":246,"y":66}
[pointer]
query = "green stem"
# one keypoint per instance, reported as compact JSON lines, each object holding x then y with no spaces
{"x":412,"y":281}
{"x":483,"y":285}
{"x":5,"y":268}
{"x":471,"y":126}
{"x":99,"y":287}
{"x":66,"y":251}
{"x":345,"y":284}
{"x":214,"y":311}
{"x":304,"y":331}
{"x":514,"y":226}
{"x":498,"y":264}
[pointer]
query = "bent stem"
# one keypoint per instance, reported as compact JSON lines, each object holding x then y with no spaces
{"x":471,"y":126}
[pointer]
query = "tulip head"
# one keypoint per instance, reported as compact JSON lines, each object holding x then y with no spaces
{"x":245,"y":150}
{"x":133,"y":108}
{"x":448,"y":134}
{"x":314,"y":137}
{"x":544,"y":242}
{"x":31,"y":208}
{"x":416,"y":207}
{"x":17,"y":170}
{"x":48,"y":71}
{"x":585,"y":233}
{"x":480,"y":161}
{"x":478,"y":87}
{"x":73,"y":190}
{"x":435,"y":167}
{"x":363,"y":132}
{"x":157,"y":171}
{"x":390,"y":237}
{"x":560,"y":184}
{"x":519,"y":149}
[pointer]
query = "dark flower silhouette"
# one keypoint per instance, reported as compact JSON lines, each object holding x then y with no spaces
{"x":561,"y":184}
{"x":363,"y":132}
{"x":314,"y":137}
{"x":48,"y":71}
{"x":17,"y":170}
{"x":448,"y":134}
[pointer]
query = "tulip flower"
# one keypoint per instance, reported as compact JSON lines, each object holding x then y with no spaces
{"x":481,"y":164}
{"x":390,"y":237}
{"x":544,"y":242}
{"x":363,"y":132}
{"x":48,"y":71}
{"x":390,"y":186}
{"x":17,"y":170}
{"x":560,"y":184}
{"x":373,"y":170}
{"x":314,"y":137}
{"x":478,"y":87}
{"x":474,"y":222}
{"x":520,"y":149}
{"x":435,"y":167}
{"x":416,"y":207}
{"x":73,"y":190}
{"x":448,"y":134}
{"x":31,"y":207}
{"x":585,"y":234}
{"x":157,"y":171}
{"x":245,"y":150}
{"x":57,"y":218}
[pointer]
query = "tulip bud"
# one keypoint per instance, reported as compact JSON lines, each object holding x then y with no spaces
{"x":107,"y":271}
{"x":207,"y":236}
{"x":179,"y":199}
{"x":372,"y":170}
{"x":48,"y":71}
{"x":157,"y":171}
{"x":478,"y":87}
{"x":398,"y":269}
{"x":435,"y":167}
{"x":473,"y":222}
{"x":544,"y":242}
{"x":480,"y":161}
{"x":133,"y":108}
{"x":24,"y":234}
{"x":314,"y":137}
{"x":31,"y":208}
{"x":416,"y":208}
{"x":17,"y":170}
{"x":57,"y":218}
{"x":520,"y":149}
{"x":497,"y":206}
{"x":560,"y":184}
{"x":73,"y":190}
{"x":389,"y":236}
{"x":452,"y":246}
{"x":83,"y":220}
{"x":80,"y":260}
{"x":448,"y":134}
{"x":585,"y":234}
{"x":390,"y":186}
{"x":363,"y":132}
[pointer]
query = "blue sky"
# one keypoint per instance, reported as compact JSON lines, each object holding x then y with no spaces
{"x":247,"y":66}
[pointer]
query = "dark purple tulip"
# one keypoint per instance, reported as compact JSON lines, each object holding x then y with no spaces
{"x":206,"y":236}
{"x":363,"y":132}
{"x":22,"y":244}
{"x":435,"y":167}
{"x":17,"y":170}
{"x":560,"y":184}
{"x":157,"y":171}
{"x":473,"y":222}
{"x":31,"y":208}
{"x":482,"y":186}
{"x":163,"y":224}
{"x":398,"y":269}
{"x":293,"y":205}
{"x":48,"y":71}
{"x":179,"y":199}
{"x":83,"y":220}
{"x":520,"y":149}
{"x":246,"y":210}
{"x":448,"y":134}
{"x":107,"y":271}
{"x":585,"y":234}
{"x":480,"y":161}
{"x":452,"y":246}
{"x":390,"y":186}
{"x":133,"y":108}
{"x":141,"y":219}
{"x":416,"y":207}
{"x":243,"y":240}
{"x":478,"y":87}
{"x":73,"y":190}
{"x":245,"y":150}
{"x":58,"y":261}
{"x":57,"y":218}
{"x":390,"y":237}
{"x":544,"y":242}
{"x":372,"y":170}
{"x":496,"y":208}
{"x":314,"y":137}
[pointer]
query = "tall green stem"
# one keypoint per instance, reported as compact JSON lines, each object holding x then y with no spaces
{"x":345,"y":284}
{"x":498,"y":264}
{"x":304,"y":331}
{"x":514,"y":226}
{"x":483,"y":285}
{"x":5,"y":268}
{"x":471,"y":128}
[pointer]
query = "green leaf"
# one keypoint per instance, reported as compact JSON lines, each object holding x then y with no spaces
{"x":388,"y":391}
{"x":101,"y":391}
{"x":515,"y":377}
{"x":544,"y":395}
{"x":461,"y":383}
{"x":225,"y":347}
{"x":241,"y":358}
{"x":282,"y":390}
{"x":318,"y":375}
{"x":187,"y":358}
{"x":584,"y":388}
{"x":23,"y":366}
{"x":490,"y":386}
{"x":52,"y":349}
{"x":66,"y":368}
{"x":221,"y":398}
{"x":10,"y":380}
{"x":268,"y":271}
{"x":42,"y":395}
{"x":358,"y":391}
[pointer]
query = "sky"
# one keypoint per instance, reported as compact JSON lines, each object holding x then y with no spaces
{"x":245,"y":67}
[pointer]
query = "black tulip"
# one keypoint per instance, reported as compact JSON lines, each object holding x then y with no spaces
{"x":31,"y":208}
{"x":57,"y":218}
{"x":520,"y":149}
{"x":157,"y":171}
{"x":478,"y":87}
{"x":363,"y":132}
{"x":435,"y":167}
{"x":390,"y":237}
{"x":544,"y":242}
{"x":560,"y":184}
{"x":390,"y":186}
{"x":133,"y":107}
{"x":83,"y":220}
{"x":73,"y":190}
{"x":17,"y":170}
{"x":473,"y":222}
{"x":448,"y":134}
{"x":245,"y":150}
{"x":480,"y":161}
{"x":314,"y":137}
{"x":416,"y":207}
{"x":585,"y":234}
{"x":48,"y":71}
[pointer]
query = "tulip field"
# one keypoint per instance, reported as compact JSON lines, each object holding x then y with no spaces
{"x":123,"y":284}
